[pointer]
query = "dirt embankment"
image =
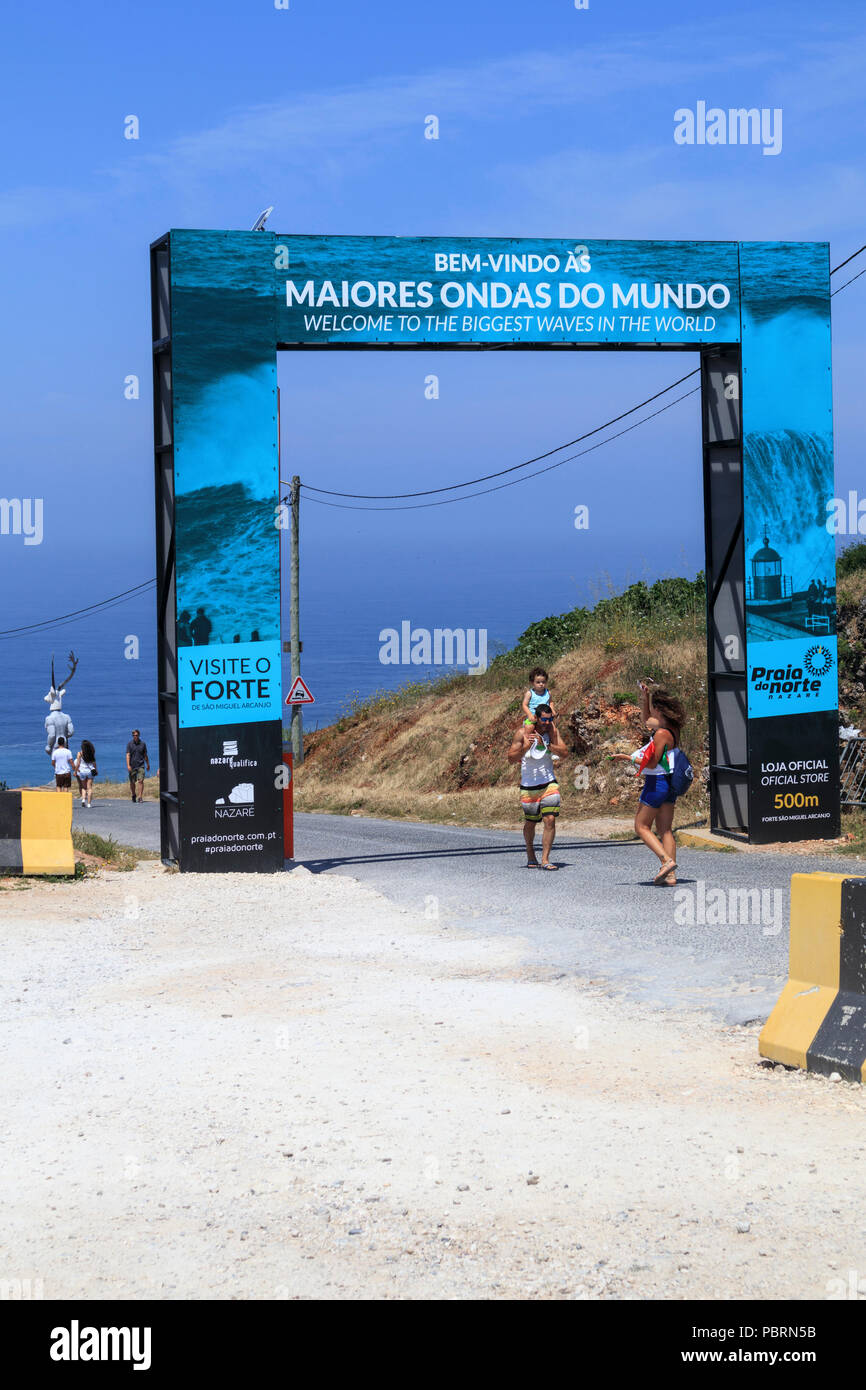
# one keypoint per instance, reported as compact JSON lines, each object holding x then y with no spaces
{"x":437,"y":752}
{"x":440,"y":754}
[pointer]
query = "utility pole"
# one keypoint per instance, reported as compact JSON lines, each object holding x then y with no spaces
{"x":294,"y":624}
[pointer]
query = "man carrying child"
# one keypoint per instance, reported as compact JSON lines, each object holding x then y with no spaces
{"x":534,"y":745}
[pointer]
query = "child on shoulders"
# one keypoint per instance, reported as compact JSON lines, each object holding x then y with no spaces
{"x":537,"y":694}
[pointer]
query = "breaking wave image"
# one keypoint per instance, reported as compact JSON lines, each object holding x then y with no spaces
{"x":225,"y":532}
{"x":794,"y":519}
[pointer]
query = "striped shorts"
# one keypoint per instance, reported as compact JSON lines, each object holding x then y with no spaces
{"x":536,"y":802}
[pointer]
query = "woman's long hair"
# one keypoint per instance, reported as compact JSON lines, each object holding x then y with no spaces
{"x":88,"y":752}
{"x":671,"y":714}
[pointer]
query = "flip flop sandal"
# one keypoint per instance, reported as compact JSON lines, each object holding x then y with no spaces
{"x":533,"y":864}
{"x":666,"y":868}
{"x":551,"y":867}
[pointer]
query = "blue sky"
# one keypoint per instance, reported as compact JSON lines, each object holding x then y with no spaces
{"x":553,"y":122}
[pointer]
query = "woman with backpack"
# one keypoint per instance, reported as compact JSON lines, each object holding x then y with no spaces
{"x":667,"y":773}
{"x":86,"y":770}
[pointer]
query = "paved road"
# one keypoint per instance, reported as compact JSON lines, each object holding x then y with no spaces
{"x":128,"y":822}
{"x":598,"y":918}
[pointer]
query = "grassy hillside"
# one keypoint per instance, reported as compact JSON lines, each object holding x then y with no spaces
{"x":435,"y":751}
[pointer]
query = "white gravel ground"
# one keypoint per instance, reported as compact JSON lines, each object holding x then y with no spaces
{"x":259,"y":1087}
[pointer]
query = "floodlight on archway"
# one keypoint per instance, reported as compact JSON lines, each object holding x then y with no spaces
{"x":758,"y":313}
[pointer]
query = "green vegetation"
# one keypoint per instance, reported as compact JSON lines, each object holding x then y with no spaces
{"x":668,"y":610}
{"x":17,"y":882}
{"x":851,"y":559}
{"x":388,"y":701}
{"x":122,"y":857}
{"x":635,"y":622}
{"x":854,"y":831}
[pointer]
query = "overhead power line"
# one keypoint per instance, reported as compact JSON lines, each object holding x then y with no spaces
{"x":78,"y":614}
{"x":849,"y":282}
{"x":417,"y":506}
{"x":852,"y":257}
{"x":429,"y":492}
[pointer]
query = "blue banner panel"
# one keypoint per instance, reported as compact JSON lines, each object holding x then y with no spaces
{"x":226,"y":545}
{"x":789,"y":553}
{"x":237,"y":682}
{"x":453,"y":290}
{"x":224,"y":379}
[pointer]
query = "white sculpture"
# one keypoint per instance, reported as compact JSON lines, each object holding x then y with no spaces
{"x":56,"y":722}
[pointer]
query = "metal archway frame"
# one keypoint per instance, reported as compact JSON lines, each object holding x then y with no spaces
{"x":758,"y":313}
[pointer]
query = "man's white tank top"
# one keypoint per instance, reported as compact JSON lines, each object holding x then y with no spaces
{"x":536,"y":765}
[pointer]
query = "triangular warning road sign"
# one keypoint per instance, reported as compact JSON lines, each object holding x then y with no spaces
{"x":299,"y":694}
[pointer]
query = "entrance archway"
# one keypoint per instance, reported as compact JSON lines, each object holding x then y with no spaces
{"x":224,"y":304}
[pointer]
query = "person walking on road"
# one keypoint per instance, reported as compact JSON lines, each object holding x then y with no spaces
{"x":664,"y":718}
{"x":540,"y":799}
{"x":136,"y":762}
{"x":63,"y":761}
{"x":86,"y":770}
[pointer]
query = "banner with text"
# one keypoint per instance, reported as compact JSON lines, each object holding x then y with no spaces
{"x":475,"y":290}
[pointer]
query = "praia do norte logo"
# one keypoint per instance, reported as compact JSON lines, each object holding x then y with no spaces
{"x":818,"y":661}
{"x":443,"y":646}
{"x":801,"y":683}
{"x":793,"y":680}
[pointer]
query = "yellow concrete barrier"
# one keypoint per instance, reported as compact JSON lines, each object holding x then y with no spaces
{"x":819,"y":1022}
{"x":36,"y":832}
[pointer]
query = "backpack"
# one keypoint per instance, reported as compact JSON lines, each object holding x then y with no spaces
{"x":682,"y":775}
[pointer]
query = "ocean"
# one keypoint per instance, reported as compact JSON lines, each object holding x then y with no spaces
{"x":112,"y":693}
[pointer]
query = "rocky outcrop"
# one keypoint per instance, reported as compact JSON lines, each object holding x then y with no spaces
{"x":852,"y":657}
